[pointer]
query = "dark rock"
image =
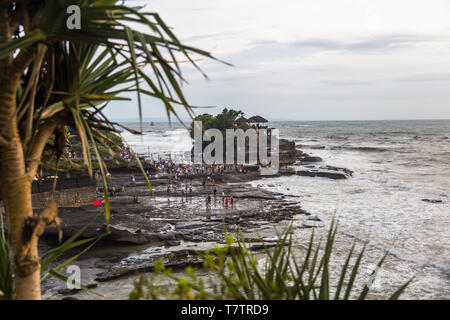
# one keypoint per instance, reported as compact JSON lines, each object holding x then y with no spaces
{"x":174,"y":260}
{"x":326,"y":172}
{"x":345,"y":170}
{"x":258,"y":247}
{"x":172,"y":243}
{"x":332,"y":175}
{"x":311,"y":159}
{"x":432,"y":200}
{"x":305,"y":173}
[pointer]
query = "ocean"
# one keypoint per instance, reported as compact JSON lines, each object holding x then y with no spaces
{"x":396,"y":164}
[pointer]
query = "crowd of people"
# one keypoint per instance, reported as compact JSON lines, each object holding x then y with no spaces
{"x":178,"y":174}
{"x":172,"y":168}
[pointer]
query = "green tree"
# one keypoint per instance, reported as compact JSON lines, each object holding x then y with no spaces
{"x":52,"y":77}
{"x":222,"y":121}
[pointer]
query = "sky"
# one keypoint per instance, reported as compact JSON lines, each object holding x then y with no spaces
{"x":312,"y":60}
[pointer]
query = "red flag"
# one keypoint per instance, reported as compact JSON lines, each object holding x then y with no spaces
{"x":97,"y":203}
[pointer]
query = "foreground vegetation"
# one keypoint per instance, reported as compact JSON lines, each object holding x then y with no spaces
{"x":234,"y":272}
{"x":53,"y":78}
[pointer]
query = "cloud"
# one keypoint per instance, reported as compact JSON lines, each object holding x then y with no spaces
{"x":379,"y":42}
{"x":426,"y":77}
{"x":349,"y":82}
{"x":273,"y":51}
{"x":317,"y":59}
{"x":215,"y":36}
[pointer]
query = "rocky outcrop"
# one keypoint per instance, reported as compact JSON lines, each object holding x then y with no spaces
{"x":330,"y":172}
{"x":171,"y":219}
{"x":432,"y":200}
{"x":287,"y":151}
{"x":310,"y":159}
{"x":338,"y":169}
{"x":324,"y":174}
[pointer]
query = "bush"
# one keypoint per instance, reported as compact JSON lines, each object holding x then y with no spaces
{"x":233,"y":273}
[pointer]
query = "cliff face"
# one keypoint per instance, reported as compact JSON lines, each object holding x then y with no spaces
{"x":288,"y":153}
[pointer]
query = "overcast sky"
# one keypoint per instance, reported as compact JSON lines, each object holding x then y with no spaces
{"x":315,"y":59}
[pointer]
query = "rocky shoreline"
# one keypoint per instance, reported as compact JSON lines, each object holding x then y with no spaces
{"x":171,"y":227}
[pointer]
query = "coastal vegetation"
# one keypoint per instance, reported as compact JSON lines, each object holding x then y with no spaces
{"x":235,"y":273}
{"x":222,"y":121}
{"x":53,"y":78}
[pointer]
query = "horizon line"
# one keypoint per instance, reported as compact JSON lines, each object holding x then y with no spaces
{"x":278,"y":120}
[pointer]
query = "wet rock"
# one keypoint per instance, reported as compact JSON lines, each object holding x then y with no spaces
{"x":172,"y":243}
{"x":332,"y":175}
{"x":323,"y":174}
{"x":163,"y":219}
{"x":432,"y":200}
{"x":174,"y":260}
{"x":311,"y":159}
{"x":338,"y":169}
{"x":259,"y":247}
{"x":71,"y":291}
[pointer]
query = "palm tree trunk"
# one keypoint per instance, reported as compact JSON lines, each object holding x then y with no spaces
{"x":16,"y":195}
{"x":15,"y":182}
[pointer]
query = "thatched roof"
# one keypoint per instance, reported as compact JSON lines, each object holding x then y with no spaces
{"x":256,"y":119}
{"x":241,"y":119}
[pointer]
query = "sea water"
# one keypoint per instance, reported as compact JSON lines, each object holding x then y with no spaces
{"x":396,"y":165}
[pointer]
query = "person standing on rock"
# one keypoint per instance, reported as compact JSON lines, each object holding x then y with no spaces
{"x":226,"y":202}
{"x":215,"y":191}
{"x":168,"y":190}
{"x":208,"y":201}
{"x":231,"y":200}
